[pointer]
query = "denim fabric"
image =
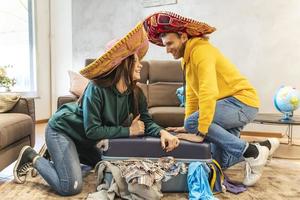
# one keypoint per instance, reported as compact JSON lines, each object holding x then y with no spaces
{"x":231,"y":115}
{"x":63,"y":173}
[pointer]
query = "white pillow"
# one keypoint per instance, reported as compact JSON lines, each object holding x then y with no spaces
{"x":77,"y":83}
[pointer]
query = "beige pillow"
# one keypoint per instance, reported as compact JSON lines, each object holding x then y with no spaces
{"x":77,"y":83}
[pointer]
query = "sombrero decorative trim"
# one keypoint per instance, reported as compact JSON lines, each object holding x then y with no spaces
{"x":136,"y":41}
{"x":168,"y":22}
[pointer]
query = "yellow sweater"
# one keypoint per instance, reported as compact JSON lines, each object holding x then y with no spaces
{"x":210,"y":77}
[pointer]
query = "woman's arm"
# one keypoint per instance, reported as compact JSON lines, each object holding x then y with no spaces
{"x":168,"y":141}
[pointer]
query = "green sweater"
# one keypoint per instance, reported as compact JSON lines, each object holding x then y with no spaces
{"x":101,"y":116}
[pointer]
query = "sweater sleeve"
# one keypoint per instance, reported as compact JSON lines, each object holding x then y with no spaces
{"x":92,"y":104}
{"x":151,"y":128}
{"x":204,"y":63}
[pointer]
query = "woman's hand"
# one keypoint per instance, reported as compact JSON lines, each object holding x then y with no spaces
{"x":190,"y":137}
{"x":137,"y":127}
{"x":168,"y":141}
{"x":176,"y":129}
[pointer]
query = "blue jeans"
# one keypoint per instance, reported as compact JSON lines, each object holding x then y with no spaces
{"x":63,"y":173}
{"x":231,"y":115}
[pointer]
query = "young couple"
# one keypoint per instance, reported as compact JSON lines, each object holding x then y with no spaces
{"x":219,"y":103}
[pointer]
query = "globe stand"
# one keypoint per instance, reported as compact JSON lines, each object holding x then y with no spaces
{"x":287,"y":117}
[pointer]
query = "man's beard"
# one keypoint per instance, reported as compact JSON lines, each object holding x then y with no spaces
{"x":181,"y":50}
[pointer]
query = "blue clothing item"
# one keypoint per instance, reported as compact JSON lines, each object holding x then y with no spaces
{"x":231,"y":115}
{"x":197,"y":179}
{"x":63,"y":173}
{"x":180,"y":96}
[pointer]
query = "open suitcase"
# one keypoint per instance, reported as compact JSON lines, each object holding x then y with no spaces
{"x":150,"y":148}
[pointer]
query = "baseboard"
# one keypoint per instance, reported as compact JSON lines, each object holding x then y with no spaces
{"x":262,"y":134}
{"x":41,"y":121}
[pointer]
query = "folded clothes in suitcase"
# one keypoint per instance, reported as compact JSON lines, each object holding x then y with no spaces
{"x":150,"y":148}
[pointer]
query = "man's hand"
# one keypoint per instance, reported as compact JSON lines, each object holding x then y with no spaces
{"x":190,"y":137}
{"x":168,"y":141}
{"x":176,"y":129}
{"x":137,"y":127}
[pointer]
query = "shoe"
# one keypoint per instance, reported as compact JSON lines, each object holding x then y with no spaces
{"x":24,"y":164}
{"x":274,"y":142}
{"x":274,"y":146}
{"x":43,"y":153}
{"x":254,"y":166}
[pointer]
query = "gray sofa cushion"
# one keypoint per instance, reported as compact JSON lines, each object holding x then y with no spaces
{"x":163,"y":94}
{"x":144,"y":88}
{"x":165,"y":71}
{"x":144,"y":72}
{"x":14,"y":127}
{"x":66,"y":99}
{"x":167,"y":116}
{"x":26,"y":106}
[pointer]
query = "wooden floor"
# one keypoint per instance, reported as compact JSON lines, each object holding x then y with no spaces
{"x":280,"y":181}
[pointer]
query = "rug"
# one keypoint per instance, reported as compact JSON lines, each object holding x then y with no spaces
{"x":280,"y":181}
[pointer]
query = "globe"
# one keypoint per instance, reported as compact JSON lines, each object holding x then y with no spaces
{"x":286,"y":101}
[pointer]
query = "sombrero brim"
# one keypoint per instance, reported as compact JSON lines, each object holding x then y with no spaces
{"x":168,"y":22}
{"x":136,"y":41}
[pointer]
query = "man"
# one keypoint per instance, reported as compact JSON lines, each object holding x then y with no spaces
{"x":219,"y":100}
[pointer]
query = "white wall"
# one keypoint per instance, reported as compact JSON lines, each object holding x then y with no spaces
{"x":43,"y":102}
{"x":97,"y":22}
{"x":61,"y":47}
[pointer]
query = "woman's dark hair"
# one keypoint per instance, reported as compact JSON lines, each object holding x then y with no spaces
{"x":124,"y":69}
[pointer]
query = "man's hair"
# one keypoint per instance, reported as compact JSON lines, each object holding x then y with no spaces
{"x":164,"y":34}
{"x":180,"y":33}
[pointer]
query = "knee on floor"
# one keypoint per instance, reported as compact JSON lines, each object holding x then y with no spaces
{"x":71,"y":188}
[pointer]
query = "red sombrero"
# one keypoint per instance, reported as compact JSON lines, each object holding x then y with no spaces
{"x":168,"y":22}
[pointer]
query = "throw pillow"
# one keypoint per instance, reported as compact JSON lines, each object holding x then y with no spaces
{"x":77,"y":83}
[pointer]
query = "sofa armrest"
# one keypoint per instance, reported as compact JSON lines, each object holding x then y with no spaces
{"x":26,"y":106}
{"x":65,"y":99}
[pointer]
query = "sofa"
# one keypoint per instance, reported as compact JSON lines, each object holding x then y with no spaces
{"x":159,"y":82}
{"x":17,"y":129}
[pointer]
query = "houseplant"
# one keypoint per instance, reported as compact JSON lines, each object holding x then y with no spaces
{"x":6,"y":81}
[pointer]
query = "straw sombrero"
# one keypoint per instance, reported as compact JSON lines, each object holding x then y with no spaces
{"x":135,"y":41}
{"x":168,"y":22}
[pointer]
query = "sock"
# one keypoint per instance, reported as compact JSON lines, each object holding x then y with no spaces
{"x":34,"y":159}
{"x":266,"y":143}
{"x":251,"y":151}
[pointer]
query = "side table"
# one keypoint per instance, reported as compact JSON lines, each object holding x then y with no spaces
{"x":289,"y":150}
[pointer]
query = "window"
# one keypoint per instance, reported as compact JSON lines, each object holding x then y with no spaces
{"x":17,"y":43}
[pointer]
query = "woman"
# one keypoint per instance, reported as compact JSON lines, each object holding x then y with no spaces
{"x":112,"y":106}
